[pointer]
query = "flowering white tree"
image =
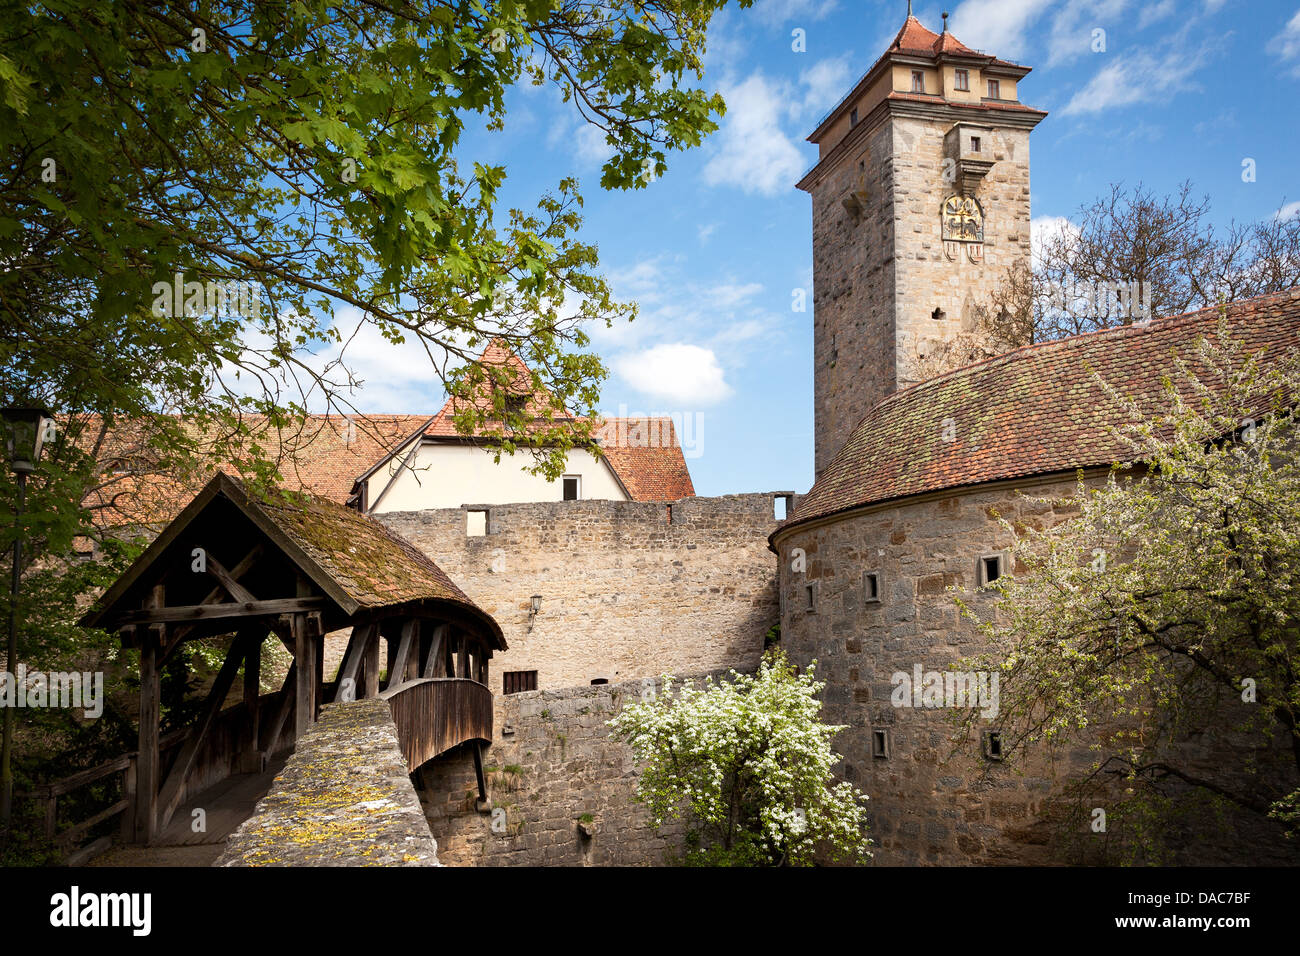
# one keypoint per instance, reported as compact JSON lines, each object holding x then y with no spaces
{"x":747,"y":763}
{"x":1169,"y":603}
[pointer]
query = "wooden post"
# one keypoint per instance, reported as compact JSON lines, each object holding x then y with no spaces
{"x":434,"y":656}
{"x":147,"y":773}
{"x":478,"y":770}
{"x":462,"y":661}
{"x":399,"y":665}
{"x":251,"y":760}
{"x":129,"y":794}
{"x":304,"y":655}
{"x":173,"y":789}
{"x":370,"y":664}
{"x":288,"y":698}
{"x":316,"y":635}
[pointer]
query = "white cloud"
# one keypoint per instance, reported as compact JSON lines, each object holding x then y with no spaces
{"x":998,"y":27}
{"x":826,"y":82}
{"x":1155,"y":12}
{"x":388,"y":377}
{"x":728,"y":295}
{"x":1287,"y":211}
{"x":705,"y":230}
{"x":1072,"y":27}
{"x":753,"y":152}
{"x":685,"y":375}
{"x":1141,"y":77}
{"x":1044,"y":229}
{"x":1286,"y":45}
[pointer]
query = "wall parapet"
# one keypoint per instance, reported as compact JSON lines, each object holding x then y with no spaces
{"x":343,"y":799}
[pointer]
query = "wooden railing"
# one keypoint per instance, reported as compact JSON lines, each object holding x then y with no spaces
{"x":435,"y":714}
{"x":216,"y":763}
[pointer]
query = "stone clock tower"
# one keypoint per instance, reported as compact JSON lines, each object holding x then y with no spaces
{"x":920,"y":204}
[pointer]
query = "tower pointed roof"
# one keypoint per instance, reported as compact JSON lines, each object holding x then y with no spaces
{"x":914,"y":38}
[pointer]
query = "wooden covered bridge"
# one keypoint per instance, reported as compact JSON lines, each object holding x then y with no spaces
{"x":245,"y":570}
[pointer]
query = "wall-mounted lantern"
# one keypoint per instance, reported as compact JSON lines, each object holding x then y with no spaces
{"x":535,"y":608}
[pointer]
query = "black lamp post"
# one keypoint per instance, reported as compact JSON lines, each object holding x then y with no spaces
{"x":26,"y":429}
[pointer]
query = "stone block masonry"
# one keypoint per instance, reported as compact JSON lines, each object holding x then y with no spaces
{"x":343,"y":799}
{"x":628,"y":589}
{"x":562,"y":790}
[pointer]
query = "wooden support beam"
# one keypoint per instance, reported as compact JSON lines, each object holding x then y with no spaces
{"x":287,"y":706}
{"x":129,"y":795}
{"x":434,"y":657}
{"x":206,"y":612}
{"x":449,"y":653}
{"x":462,"y":661}
{"x":146,"y":806}
{"x":353,"y":661}
{"x":316,"y":634}
{"x":304,"y":655}
{"x":478,"y":770}
{"x":174,"y":787}
{"x":399,"y":669}
{"x":227,"y":580}
{"x":251,"y":759}
{"x":244,"y":565}
{"x":370,"y":664}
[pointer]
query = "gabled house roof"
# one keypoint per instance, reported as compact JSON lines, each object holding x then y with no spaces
{"x":644,"y":454}
{"x":355,"y":560}
{"x":1035,"y":411}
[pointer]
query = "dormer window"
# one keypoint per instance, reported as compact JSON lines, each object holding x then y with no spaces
{"x":995,"y":90}
{"x":918,"y":81}
{"x":961,"y":80}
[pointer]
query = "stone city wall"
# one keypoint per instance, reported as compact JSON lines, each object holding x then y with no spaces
{"x":627,"y":589}
{"x":561,"y":790}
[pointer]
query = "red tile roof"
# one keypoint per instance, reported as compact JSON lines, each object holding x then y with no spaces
{"x":643,"y":452}
{"x":646,"y":456}
{"x":1037,"y":410}
{"x":914,"y":38}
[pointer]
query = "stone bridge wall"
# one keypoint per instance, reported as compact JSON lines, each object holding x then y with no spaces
{"x":343,"y":799}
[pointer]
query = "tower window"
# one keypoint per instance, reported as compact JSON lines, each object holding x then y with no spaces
{"x":918,"y":81}
{"x":810,"y":597}
{"x":870,"y":586}
{"x":880,"y":744}
{"x":974,"y":144}
{"x":961,"y":79}
{"x":572,"y":487}
{"x":995,"y":90}
{"x":990,"y":568}
{"x":853,"y":119}
{"x":993,"y":745}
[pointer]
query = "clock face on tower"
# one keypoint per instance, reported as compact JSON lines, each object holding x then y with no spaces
{"x":963,"y":219}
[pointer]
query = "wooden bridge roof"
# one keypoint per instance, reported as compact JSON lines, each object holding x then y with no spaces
{"x":355,"y":560}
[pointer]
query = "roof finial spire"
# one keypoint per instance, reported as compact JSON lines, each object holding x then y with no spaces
{"x":945,"y":21}
{"x":909,"y":7}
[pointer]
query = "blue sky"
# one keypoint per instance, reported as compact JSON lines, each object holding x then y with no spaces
{"x":712,"y":251}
